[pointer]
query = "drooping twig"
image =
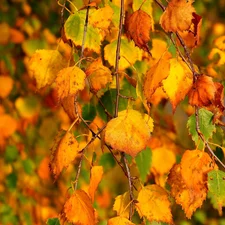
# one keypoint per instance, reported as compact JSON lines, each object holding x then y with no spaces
{"x":130,"y":182}
{"x":118,"y":58}
{"x":190,"y":64}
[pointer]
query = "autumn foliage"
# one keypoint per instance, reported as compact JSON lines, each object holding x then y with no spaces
{"x":112,"y":112}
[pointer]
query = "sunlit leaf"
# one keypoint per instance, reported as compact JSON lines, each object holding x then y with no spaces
{"x":78,"y":209}
{"x":64,"y":151}
{"x":6,"y":85}
{"x":129,"y":54}
{"x":44,"y":66}
{"x":69,"y":81}
{"x":128,"y":132}
{"x":154,"y":204}
{"x":177,"y":16}
{"x":121,"y":205}
{"x":119,"y":220}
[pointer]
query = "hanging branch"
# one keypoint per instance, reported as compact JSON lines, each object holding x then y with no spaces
{"x":190,"y":64}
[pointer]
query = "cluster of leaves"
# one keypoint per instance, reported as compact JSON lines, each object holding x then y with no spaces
{"x":123,"y":82}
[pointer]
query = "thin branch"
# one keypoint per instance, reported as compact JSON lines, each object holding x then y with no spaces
{"x":160,"y":5}
{"x":130,"y":182}
{"x":118,"y":58}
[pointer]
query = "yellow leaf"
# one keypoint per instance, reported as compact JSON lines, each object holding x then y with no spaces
{"x":6,"y":85}
{"x":155,"y":75}
{"x":78,"y":209}
{"x":102,"y":17}
{"x":69,"y":81}
{"x":119,"y":220}
{"x":178,"y":83}
{"x":177,"y":16}
{"x":64,"y":151}
{"x":162,"y":153}
{"x":121,"y":205}
{"x":129,"y":54}
{"x":44,"y":65}
{"x":128,"y":133}
{"x":96,"y":177}
{"x":138,"y":26}
{"x":98,"y":75}
{"x":154,"y":204}
{"x":149,"y":122}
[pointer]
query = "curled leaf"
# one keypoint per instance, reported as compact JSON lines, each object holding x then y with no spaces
{"x":138,"y":26}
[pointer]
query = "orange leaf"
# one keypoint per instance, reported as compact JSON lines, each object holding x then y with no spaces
{"x":177,"y":16}
{"x":16,"y":36}
{"x":64,"y":151}
{"x":189,"y":178}
{"x":195,"y":165}
{"x":191,"y":37}
{"x":43,"y":169}
{"x":6,"y":85}
{"x":119,"y":220}
{"x":69,"y":81}
{"x":138,"y":26}
{"x":78,"y":209}
{"x":179,"y":81}
{"x":129,"y":132}
{"x":154,"y":204}
{"x":188,"y":198}
{"x":155,"y":75}
{"x":98,"y":75}
{"x":96,"y":177}
{"x":203,"y":91}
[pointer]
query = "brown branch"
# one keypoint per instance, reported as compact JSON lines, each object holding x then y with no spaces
{"x":130,"y":182}
{"x":78,"y":170}
{"x":118,"y":58}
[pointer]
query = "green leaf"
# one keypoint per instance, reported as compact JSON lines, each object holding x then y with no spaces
{"x":53,"y":221}
{"x":11,"y":180}
{"x":205,"y":124}
{"x":88,"y":112}
{"x":11,"y":153}
{"x":28,"y":166}
{"x":143,"y":161}
{"x":74,"y":30}
{"x":143,"y":5}
{"x":216,"y":189}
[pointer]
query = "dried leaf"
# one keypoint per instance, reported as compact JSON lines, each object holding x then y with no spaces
{"x":179,"y":81}
{"x":203,"y":91}
{"x":96,"y":177}
{"x":44,"y":65}
{"x":177,"y":16}
{"x":128,"y":132}
{"x":64,"y":151}
{"x":78,"y":209}
{"x":154,"y":204}
{"x":69,"y":81}
{"x":98,"y":75}
{"x":119,"y":220}
{"x":188,"y":198}
{"x":138,"y":26}
{"x":121,"y":205}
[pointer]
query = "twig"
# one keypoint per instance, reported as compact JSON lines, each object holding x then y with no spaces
{"x":130,"y":182}
{"x":84,"y":34}
{"x":118,"y":58}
